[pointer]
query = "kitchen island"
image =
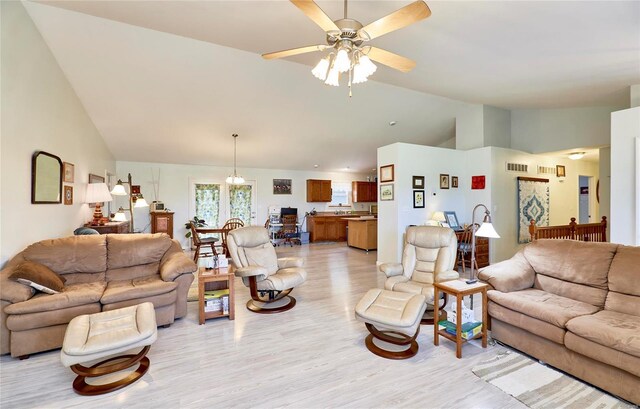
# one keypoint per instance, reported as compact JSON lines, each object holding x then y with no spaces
{"x":363,"y":232}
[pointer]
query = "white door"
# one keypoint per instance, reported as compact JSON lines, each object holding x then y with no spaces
{"x":584,"y":212}
{"x":242,"y":202}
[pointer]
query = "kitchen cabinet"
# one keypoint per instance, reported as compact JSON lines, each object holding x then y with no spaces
{"x":318,"y":190}
{"x":363,"y":234}
{"x":364,"y":191}
{"x":327,"y":228}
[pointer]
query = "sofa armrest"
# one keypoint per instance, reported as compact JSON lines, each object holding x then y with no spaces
{"x":175,"y":263}
{"x":286,"y":262}
{"x":11,"y":290}
{"x":391,"y":269}
{"x":250,"y":271}
{"x":510,"y":275}
{"x":447,"y":275}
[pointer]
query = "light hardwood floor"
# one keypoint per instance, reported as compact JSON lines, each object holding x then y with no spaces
{"x":311,"y":356}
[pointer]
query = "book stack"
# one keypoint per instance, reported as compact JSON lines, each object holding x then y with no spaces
{"x":216,"y":301}
{"x":469,"y":329}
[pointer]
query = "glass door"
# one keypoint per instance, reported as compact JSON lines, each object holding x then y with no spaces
{"x":242,"y":202}
{"x":205,"y":198}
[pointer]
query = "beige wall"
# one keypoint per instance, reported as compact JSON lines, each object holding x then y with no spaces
{"x":40,"y":111}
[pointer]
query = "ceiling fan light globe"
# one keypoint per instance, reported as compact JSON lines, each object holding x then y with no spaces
{"x":342,"y":62}
{"x":333,"y":78}
{"x":320,"y":70}
{"x":359,"y":75}
{"x":368,"y":67}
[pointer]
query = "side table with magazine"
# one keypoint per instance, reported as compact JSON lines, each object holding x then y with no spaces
{"x":215,"y":294}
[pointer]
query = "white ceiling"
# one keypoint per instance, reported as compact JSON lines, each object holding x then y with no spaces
{"x":158,"y":96}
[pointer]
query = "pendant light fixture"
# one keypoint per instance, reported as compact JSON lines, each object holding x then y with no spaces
{"x":234,"y":179}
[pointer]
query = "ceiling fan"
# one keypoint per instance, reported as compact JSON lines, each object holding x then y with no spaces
{"x":347,"y":38}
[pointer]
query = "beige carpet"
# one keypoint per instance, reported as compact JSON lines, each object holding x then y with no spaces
{"x":539,"y":386}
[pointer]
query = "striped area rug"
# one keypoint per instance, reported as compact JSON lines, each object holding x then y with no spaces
{"x":539,"y":386}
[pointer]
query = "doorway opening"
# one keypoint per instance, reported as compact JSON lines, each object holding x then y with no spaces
{"x":584,"y":199}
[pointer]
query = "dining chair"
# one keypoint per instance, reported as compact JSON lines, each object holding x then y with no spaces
{"x":201,"y":244}
{"x":229,"y":225}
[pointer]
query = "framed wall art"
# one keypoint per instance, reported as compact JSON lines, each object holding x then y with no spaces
{"x":386,"y":173}
{"x":281,"y":186}
{"x":418,"y":199}
{"x":444,"y":181}
{"x":68,"y":195}
{"x":386,"y":192}
{"x":452,"y":220}
{"x":418,"y":182}
{"x":68,"y":172}
{"x":454,"y":182}
{"x":477,"y":182}
{"x":561,"y":171}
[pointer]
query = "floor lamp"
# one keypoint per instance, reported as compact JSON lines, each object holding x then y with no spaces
{"x":485,"y":230}
{"x":135,"y":197}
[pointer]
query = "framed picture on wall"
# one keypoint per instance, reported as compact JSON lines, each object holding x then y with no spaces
{"x":386,"y":173}
{"x":68,"y":171}
{"x":68,"y":195}
{"x":454,"y":182}
{"x":452,"y":220}
{"x":386,"y":192}
{"x":444,"y":181}
{"x":95,"y":179}
{"x":418,"y":182}
{"x":281,"y":186}
{"x":560,"y":171}
{"x":418,"y":199}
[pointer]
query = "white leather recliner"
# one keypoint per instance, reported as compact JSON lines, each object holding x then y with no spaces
{"x":428,"y":257}
{"x":270,"y":279}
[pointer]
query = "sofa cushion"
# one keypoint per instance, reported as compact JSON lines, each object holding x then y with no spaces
{"x":122,"y":290}
{"x":73,"y":295}
{"x":75,"y":254}
{"x":39,"y":274}
{"x":542,"y":305}
{"x":162,"y":300}
{"x":624,"y":281}
{"x":22,"y":322}
{"x":527,"y":323}
{"x":579,"y":292}
{"x":573,"y":261}
{"x":132,"y":272}
{"x":126,"y":250}
{"x":611,"y":329}
{"x":602,"y":353}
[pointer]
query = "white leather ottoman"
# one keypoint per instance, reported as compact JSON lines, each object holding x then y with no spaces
{"x":393,"y":319}
{"x":95,"y":336}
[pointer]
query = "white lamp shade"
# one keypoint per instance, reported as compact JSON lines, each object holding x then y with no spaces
{"x":367,"y":66}
{"x":438,"y":217}
{"x":118,"y":190}
{"x":320,"y":70}
{"x":487,"y":230}
{"x":120,"y":216}
{"x":235,"y":180}
{"x":140,"y":202}
{"x":97,"y":192}
{"x":333,"y":78}
{"x":342,"y":62}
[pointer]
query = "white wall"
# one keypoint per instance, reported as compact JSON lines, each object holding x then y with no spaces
{"x":625,"y":131}
{"x":469,"y":127}
{"x":605,"y":186}
{"x":40,"y":111}
{"x":548,"y":130}
{"x":175,"y":184}
{"x":496,"y":126}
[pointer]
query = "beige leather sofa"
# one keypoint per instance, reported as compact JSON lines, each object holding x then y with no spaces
{"x":574,"y":305}
{"x":103,"y":272}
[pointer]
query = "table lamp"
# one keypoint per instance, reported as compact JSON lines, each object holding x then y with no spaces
{"x":485,"y":230}
{"x":97,"y":193}
{"x":438,"y":217}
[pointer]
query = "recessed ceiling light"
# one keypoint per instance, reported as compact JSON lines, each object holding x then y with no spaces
{"x":315,"y":166}
{"x":392,"y":123}
{"x":576,"y":155}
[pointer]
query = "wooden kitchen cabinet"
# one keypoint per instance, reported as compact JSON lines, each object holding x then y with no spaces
{"x":364,"y":191}
{"x":327,"y":228}
{"x":318,"y":190}
{"x":162,"y":222}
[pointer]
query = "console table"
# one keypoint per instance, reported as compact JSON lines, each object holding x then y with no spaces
{"x":111,"y":227}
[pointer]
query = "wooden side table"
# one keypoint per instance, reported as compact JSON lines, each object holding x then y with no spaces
{"x":458,"y":289}
{"x":215,"y":279}
{"x":111,"y":228}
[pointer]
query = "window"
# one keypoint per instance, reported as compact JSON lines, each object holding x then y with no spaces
{"x":340,"y":194}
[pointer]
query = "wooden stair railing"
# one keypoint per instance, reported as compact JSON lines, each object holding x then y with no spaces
{"x":572,"y":231}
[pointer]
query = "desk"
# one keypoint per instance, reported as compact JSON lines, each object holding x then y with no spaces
{"x":111,"y":227}
{"x":276,"y":227}
{"x":482,"y":250}
{"x":458,"y":289}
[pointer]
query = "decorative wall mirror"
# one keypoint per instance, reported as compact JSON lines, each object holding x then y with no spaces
{"x":46,"y":178}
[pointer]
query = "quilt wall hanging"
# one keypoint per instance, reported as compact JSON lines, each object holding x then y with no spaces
{"x":533,"y":204}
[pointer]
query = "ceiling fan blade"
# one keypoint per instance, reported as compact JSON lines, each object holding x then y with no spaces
{"x":293,"y":51}
{"x":315,"y":13}
{"x":403,"y":17}
{"x":392,"y":60}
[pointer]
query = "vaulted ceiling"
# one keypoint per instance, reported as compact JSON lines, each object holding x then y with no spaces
{"x":170,"y":81}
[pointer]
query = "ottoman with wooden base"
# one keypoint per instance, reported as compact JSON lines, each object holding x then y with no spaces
{"x":393,"y":318}
{"x":95,"y":336}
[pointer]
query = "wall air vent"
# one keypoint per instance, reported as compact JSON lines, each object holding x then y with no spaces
{"x":517,"y":167}
{"x":546,"y":170}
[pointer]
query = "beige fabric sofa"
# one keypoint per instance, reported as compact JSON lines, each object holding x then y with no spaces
{"x":103,"y":272}
{"x":574,"y":305}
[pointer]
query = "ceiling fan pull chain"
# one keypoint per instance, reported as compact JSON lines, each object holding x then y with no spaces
{"x":350,"y":71}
